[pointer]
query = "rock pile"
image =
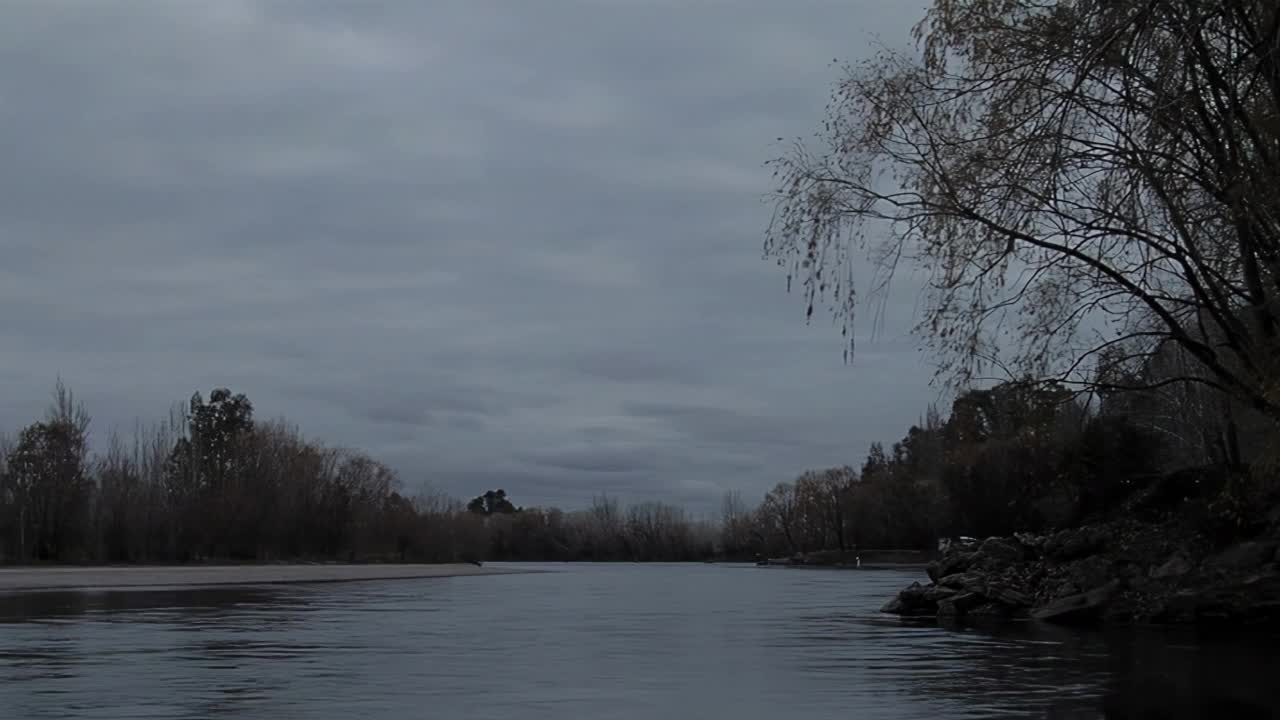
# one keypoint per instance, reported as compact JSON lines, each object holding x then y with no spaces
{"x":1122,"y":571}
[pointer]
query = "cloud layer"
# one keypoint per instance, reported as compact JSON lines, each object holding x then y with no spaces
{"x":495,"y":244}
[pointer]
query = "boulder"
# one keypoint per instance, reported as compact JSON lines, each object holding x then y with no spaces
{"x":1077,"y":543}
{"x":959,"y":604}
{"x":1008,"y":596}
{"x":933,"y":570}
{"x":912,"y":600}
{"x":1030,"y":541}
{"x":1243,"y":556}
{"x":1081,"y":607}
{"x":895,"y":606}
{"x":1181,"y":607}
{"x":1254,"y":598}
{"x":950,"y":564}
{"x":1001,"y":550}
{"x":992,"y":610}
{"x":1176,"y":566}
{"x":1091,"y":572}
{"x":967,"y":581}
{"x":938,"y":593}
{"x":1273,"y":516}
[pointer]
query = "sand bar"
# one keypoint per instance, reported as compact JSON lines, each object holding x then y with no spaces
{"x":115,"y":577}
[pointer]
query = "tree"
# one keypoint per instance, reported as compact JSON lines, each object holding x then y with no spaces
{"x":121,"y":503}
{"x":48,"y":481}
{"x":493,"y":501}
{"x":781,"y":511}
{"x":1077,"y":177}
{"x":604,"y":531}
{"x":206,"y":472}
{"x":735,"y":526}
{"x":833,"y":486}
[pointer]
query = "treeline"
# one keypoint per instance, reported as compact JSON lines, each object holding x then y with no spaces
{"x":210,"y":482}
{"x":1026,"y":456}
{"x":1010,"y":458}
{"x":605,"y":531}
{"x":213,"y":484}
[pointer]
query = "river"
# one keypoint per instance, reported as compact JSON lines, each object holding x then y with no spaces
{"x":589,"y":641}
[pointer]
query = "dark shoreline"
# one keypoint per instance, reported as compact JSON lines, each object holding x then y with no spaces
{"x":139,"y":577}
{"x":921,"y":566}
{"x":1121,"y":572}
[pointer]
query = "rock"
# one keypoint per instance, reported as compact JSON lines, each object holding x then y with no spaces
{"x":1244,"y":556}
{"x":895,"y":606}
{"x":949,"y":564}
{"x":1038,"y":573}
{"x":1009,"y":596}
{"x":937,"y":593}
{"x":1273,"y":516}
{"x":912,"y":600}
{"x":1181,"y":607}
{"x":1078,"y":543}
{"x":1031,"y":541}
{"x":1255,"y":598}
{"x":992,"y":610}
{"x":1091,"y":572}
{"x":933,"y":570}
{"x":1176,"y":566}
{"x":1001,"y":550}
{"x":971,"y":581}
{"x":1082,"y":607}
{"x":959,"y":604}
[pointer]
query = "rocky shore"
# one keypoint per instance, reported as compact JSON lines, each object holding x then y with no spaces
{"x":1127,"y":569}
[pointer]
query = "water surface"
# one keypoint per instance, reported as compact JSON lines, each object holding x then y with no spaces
{"x":593,"y":641}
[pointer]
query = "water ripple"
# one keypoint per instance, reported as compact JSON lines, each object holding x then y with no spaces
{"x":590,"y":641}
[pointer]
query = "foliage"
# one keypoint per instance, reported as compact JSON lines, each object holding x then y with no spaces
{"x":1080,"y":179}
{"x":493,"y":501}
{"x":213,"y":484}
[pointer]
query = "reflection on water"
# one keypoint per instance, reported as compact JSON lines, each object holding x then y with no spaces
{"x":593,"y":641}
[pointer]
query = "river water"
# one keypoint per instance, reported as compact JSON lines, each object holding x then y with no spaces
{"x":594,"y":641}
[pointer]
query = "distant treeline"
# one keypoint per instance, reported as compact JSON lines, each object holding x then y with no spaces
{"x":212,"y":484}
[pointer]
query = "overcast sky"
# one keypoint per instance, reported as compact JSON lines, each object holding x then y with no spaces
{"x":510,"y":244}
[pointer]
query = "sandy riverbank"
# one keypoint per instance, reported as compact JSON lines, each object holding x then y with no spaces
{"x":141,"y":577}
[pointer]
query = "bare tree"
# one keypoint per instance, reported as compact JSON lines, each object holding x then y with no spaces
{"x":781,"y":510}
{"x":833,"y":488}
{"x":12,"y":509}
{"x":735,"y":524}
{"x":48,"y":478}
{"x":1077,"y":177}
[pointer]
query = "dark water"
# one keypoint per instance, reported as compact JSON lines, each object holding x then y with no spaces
{"x":603,"y":641}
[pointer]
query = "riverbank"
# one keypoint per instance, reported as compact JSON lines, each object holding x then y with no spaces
{"x":1165,"y":561}
{"x":143,"y":577}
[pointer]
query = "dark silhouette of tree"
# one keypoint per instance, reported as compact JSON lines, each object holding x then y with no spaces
{"x":47,"y":482}
{"x":1080,"y":178}
{"x":492,"y":501}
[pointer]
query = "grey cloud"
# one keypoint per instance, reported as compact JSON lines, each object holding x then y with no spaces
{"x":481,"y":242}
{"x":597,"y":459}
{"x":636,"y":366}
